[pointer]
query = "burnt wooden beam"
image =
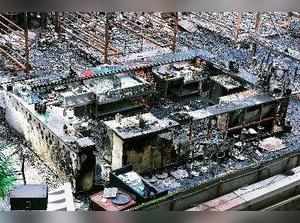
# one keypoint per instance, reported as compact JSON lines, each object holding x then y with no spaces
{"x":22,"y":66}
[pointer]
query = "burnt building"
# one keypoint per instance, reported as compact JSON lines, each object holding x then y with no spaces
{"x":168,"y":126}
{"x":56,"y":116}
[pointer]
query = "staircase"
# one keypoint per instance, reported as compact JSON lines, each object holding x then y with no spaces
{"x":61,"y":199}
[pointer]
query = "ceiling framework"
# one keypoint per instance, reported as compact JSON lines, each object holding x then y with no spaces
{"x":108,"y":36}
{"x":93,"y":34}
{"x":151,"y":27}
{"x":16,"y":51}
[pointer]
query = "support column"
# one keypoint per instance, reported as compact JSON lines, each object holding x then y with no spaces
{"x":57,"y":23}
{"x":256,"y":28}
{"x":175,"y":32}
{"x":27,"y":65}
{"x":117,"y":152}
{"x":106,"y":37}
{"x":290,"y":16}
{"x":257,"y":22}
{"x":238,"y":26}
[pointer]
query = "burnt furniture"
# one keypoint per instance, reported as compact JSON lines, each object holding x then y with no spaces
{"x":130,"y":181}
{"x":29,"y":197}
{"x":99,"y":203}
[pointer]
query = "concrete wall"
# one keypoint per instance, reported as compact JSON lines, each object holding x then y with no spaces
{"x":58,"y":156}
{"x":117,"y":152}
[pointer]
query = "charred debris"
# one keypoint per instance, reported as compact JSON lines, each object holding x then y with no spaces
{"x":138,"y":107}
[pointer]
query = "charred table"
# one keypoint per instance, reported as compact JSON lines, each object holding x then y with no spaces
{"x":100,"y":203}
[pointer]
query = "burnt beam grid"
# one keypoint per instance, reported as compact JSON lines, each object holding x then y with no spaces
{"x":232,"y":29}
{"x":218,"y":23}
{"x":94,"y":35}
{"x":205,"y":19}
{"x":254,"y":35}
{"x":107,"y":34}
{"x":257,"y":39}
{"x":151,"y":28}
{"x":231,"y":23}
{"x":20,"y":56}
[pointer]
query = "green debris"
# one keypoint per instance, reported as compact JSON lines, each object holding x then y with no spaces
{"x":6,"y":176}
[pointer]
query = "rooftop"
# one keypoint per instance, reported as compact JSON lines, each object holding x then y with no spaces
{"x":130,"y":127}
